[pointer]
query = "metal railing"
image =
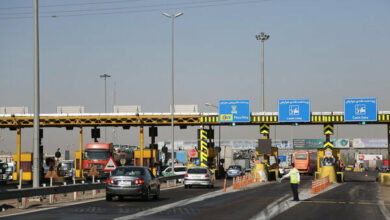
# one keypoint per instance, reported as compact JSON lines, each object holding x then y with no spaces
{"x":50,"y":190}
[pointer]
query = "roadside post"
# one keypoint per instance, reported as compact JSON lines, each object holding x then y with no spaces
{"x":93,"y":172}
{"x":74,"y":183}
{"x":20,"y":179}
{"x":51,"y":174}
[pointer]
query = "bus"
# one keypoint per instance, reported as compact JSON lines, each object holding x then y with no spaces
{"x":305,"y":162}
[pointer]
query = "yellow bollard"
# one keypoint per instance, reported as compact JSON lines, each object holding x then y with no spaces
{"x":385,"y":178}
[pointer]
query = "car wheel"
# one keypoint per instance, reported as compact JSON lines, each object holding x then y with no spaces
{"x":120,"y":198}
{"x":185,"y":186}
{"x":157,"y":195}
{"x":108,"y":197}
{"x":146,"y":195}
{"x":189,"y":186}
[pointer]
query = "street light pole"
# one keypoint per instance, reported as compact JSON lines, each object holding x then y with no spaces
{"x":262,"y":37}
{"x":172,"y":84}
{"x":105,"y":101}
{"x":36,"y":162}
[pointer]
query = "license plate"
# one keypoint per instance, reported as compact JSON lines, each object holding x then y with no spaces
{"x":124,"y":183}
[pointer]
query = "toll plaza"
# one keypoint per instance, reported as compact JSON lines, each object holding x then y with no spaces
{"x":327,"y":178}
{"x":291,"y":112}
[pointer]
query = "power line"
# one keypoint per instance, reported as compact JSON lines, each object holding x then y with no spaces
{"x":120,"y":10}
{"x":72,"y":4}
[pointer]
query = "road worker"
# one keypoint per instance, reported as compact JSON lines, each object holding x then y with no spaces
{"x":294,"y":180}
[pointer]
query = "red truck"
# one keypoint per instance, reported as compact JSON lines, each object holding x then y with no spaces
{"x":97,"y":154}
{"x":305,"y":161}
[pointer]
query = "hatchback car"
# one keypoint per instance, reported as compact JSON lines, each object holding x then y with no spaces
{"x":234,"y":170}
{"x":132,"y":181}
{"x":198,"y":176}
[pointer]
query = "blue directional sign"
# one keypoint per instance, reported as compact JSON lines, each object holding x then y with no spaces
{"x":232,"y":111}
{"x":364,"y":109}
{"x":294,"y":110}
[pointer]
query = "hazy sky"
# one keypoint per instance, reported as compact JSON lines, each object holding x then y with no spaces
{"x":325,"y":51}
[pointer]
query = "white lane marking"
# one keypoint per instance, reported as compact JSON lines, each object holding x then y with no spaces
{"x":284,"y":203}
{"x":66,"y":205}
{"x":384,"y":210}
{"x":186,"y":202}
{"x":174,"y":205}
{"x":171,"y":188}
{"x":381,"y":202}
{"x":49,"y":208}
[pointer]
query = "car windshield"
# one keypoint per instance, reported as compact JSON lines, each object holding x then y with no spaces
{"x":301,"y":156}
{"x":180,"y":169}
{"x":235,"y":167}
{"x":97,"y":154}
{"x":197,"y":171}
{"x":129,"y":171}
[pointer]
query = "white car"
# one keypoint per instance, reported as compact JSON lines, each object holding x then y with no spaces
{"x":179,"y":170}
{"x":198,"y":176}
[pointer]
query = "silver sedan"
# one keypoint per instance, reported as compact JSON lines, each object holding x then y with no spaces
{"x":198,"y":176}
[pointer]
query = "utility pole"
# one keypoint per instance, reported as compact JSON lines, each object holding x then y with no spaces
{"x":105,"y":76}
{"x":36,"y":162}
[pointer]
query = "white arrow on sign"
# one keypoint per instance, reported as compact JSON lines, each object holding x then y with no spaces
{"x":110,"y":165}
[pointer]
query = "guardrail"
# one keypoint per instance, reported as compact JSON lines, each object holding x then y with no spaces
{"x":42,"y":191}
{"x":50,"y":190}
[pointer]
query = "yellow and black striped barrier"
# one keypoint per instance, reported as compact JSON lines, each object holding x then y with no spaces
{"x":204,"y":151}
{"x":264,"y":118}
{"x":327,"y":118}
{"x":384,"y":117}
{"x":264,"y":129}
{"x":328,"y":145}
{"x":328,"y":129}
{"x":209,"y":119}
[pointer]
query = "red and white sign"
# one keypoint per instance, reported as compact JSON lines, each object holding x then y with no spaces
{"x":110,"y":165}
{"x":192,"y":153}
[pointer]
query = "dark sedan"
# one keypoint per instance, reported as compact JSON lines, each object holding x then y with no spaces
{"x":132,"y":181}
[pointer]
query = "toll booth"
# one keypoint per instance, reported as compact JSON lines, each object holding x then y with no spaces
{"x":150,"y":157}
{"x":25,"y":165}
{"x":336,"y":154}
{"x":78,"y":164}
{"x":268,"y":155}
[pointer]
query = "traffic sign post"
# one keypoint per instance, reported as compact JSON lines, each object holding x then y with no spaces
{"x":110,"y":165}
{"x":193,"y":153}
{"x":232,"y":111}
{"x":360,"y":109}
{"x":294,"y":110}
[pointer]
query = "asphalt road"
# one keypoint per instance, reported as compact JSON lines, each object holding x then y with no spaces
{"x":357,"y":199}
{"x":109,"y":210}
